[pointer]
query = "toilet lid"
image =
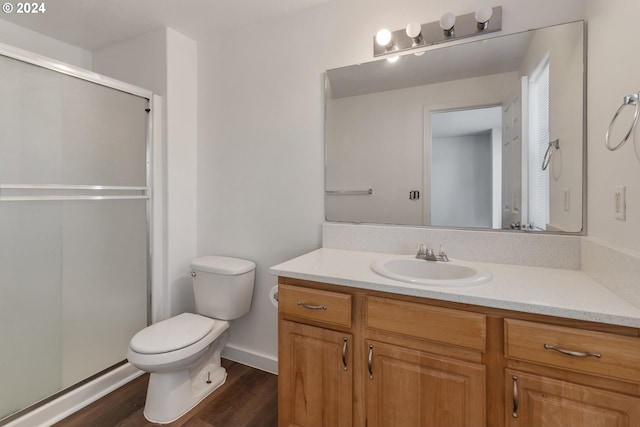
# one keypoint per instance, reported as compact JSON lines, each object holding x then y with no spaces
{"x":223,"y":265}
{"x":172,"y":334}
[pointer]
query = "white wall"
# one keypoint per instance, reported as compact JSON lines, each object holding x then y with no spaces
{"x":260,"y":130}
{"x":461,"y":184}
{"x":24,"y":38}
{"x":614,"y":65}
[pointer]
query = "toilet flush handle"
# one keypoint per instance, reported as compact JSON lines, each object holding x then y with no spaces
{"x":192,"y":273}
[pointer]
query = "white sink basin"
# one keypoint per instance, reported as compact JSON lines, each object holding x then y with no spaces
{"x":407,"y":268}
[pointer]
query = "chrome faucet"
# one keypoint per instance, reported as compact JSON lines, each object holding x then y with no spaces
{"x":429,"y":255}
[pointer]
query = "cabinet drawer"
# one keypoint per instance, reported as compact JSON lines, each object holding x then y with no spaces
{"x":573,"y":349}
{"x":313,"y":304}
{"x":444,"y":325}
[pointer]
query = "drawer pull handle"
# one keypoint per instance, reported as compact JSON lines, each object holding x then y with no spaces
{"x":344,"y":355}
{"x":312,"y":307}
{"x":514,"y":414}
{"x":370,"y":362}
{"x":572,"y":353}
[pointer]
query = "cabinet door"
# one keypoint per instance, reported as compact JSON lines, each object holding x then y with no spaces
{"x":545,"y":402}
{"x":407,"y":387}
{"x":315,"y":381}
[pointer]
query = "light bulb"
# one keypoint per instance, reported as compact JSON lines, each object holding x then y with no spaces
{"x":413,"y":29}
{"x":414,"y":32}
{"x":447,"y":21}
{"x":383,"y":38}
{"x":483,"y":16}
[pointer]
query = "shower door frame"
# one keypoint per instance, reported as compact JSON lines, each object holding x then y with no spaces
{"x":144,"y":192}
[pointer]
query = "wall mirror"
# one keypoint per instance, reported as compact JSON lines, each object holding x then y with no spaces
{"x":486,"y":134}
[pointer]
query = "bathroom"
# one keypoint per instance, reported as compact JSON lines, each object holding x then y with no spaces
{"x":242,"y":162}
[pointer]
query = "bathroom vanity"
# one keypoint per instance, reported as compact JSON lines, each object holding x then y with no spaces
{"x":532,"y":347}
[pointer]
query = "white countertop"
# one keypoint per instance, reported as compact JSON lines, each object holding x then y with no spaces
{"x":550,"y":291}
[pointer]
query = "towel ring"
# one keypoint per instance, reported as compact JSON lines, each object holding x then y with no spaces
{"x":628,"y":100}
{"x":553,"y":146}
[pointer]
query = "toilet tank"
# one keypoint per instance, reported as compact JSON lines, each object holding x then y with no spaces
{"x":223,"y":286}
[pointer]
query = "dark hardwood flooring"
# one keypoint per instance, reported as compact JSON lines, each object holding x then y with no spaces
{"x":249,"y":397}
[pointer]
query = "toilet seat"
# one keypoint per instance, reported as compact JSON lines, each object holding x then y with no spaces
{"x":172,"y":334}
{"x":166,"y":360}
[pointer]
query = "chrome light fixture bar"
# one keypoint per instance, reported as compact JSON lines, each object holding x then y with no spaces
{"x":449,"y":28}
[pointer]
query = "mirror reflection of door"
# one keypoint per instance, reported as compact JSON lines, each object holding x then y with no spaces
{"x":512,"y":204}
{"x":466,"y":167}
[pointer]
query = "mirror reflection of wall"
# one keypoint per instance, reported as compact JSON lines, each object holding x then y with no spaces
{"x":466,"y":165}
{"x":382,"y":132}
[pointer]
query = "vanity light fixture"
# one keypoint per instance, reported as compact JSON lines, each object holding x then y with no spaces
{"x":449,"y":27}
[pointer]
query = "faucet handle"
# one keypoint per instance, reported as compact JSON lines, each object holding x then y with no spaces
{"x":422,"y":251}
{"x":442,"y":255}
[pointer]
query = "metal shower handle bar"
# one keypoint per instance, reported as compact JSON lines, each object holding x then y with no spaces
{"x":633,"y":99}
{"x":553,"y":146}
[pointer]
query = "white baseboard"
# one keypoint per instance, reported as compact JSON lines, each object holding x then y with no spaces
{"x":255,"y":360}
{"x":78,"y":398}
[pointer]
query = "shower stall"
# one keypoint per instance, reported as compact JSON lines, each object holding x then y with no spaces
{"x":74,"y":226}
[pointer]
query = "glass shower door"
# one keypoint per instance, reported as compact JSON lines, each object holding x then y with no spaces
{"x":74,"y":229}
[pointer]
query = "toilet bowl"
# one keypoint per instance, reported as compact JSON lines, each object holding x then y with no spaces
{"x":182,"y":353}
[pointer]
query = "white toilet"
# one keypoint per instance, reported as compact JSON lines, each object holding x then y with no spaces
{"x":182,"y":354}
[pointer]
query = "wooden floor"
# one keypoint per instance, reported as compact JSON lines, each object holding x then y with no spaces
{"x":249,"y":397}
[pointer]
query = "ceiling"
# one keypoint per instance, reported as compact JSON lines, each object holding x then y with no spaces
{"x":91,"y":24}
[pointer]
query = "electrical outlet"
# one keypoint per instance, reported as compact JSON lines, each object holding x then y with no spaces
{"x":620,"y":203}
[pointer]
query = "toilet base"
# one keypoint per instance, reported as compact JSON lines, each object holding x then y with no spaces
{"x":170,"y":395}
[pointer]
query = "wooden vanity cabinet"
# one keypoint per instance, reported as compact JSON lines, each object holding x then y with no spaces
{"x":347,"y":358}
{"x":315,"y":363}
{"x":569,"y":377}
{"x":541,"y":401}
{"x":315,"y":382}
{"x":413,"y":375}
{"x":352,"y":357}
